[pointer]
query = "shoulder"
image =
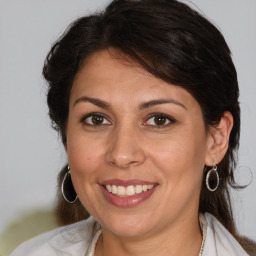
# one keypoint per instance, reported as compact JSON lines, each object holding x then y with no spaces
{"x":218,"y":240}
{"x":61,"y":241}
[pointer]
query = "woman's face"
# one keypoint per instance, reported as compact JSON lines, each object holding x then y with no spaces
{"x":137,"y":147}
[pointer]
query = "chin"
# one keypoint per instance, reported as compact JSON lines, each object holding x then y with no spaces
{"x":127,"y":226}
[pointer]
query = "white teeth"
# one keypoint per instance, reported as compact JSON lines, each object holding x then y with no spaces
{"x":144,"y":188}
{"x":109,"y":188}
{"x":150,"y":186}
{"x":121,"y":191}
{"x":129,"y":190}
{"x":114,"y":189}
{"x":138,"y":189}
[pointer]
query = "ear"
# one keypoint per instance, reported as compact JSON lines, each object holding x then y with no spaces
{"x":218,"y":139}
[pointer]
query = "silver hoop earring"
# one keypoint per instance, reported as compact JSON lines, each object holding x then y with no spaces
{"x":212,"y":171}
{"x":67,"y":188}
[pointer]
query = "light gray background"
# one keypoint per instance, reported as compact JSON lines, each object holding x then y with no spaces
{"x":31,"y":153}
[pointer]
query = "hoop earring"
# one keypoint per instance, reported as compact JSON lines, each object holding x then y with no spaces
{"x":67,"y":188}
{"x":213,"y":170}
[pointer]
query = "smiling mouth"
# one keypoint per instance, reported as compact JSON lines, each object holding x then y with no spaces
{"x":127,"y":191}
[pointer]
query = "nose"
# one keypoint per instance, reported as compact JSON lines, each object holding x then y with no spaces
{"x":125,"y":148}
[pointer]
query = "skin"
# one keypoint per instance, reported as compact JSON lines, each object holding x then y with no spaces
{"x":129,"y":145}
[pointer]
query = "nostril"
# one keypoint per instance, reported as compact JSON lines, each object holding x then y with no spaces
{"x":124,"y":150}
{"x":125,"y":161}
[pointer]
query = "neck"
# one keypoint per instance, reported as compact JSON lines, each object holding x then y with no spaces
{"x":168,"y":241}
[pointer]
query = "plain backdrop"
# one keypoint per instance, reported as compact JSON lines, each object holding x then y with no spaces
{"x":31,"y":153}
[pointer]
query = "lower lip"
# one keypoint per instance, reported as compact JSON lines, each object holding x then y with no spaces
{"x":127,"y":201}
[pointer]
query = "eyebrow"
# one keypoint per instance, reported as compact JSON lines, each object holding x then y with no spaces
{"x":94,"y":101}
{"x":159,"y":102}
{"x":148,"y":104}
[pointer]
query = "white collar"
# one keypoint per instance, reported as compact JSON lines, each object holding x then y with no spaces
{"x":217,"y":241}
{"x":91,"y":248}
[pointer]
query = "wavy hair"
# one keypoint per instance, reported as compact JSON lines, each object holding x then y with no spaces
{"x":174,"y":43}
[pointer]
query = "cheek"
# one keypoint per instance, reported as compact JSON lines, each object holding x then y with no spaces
{"x":180,"y":156}
{"x":84,"y":153}
{"x":83,"y":159}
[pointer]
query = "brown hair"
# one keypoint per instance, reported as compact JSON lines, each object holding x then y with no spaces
{"x":174,"y":43}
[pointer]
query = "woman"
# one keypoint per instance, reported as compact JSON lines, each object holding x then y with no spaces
{"x":145,"y":97}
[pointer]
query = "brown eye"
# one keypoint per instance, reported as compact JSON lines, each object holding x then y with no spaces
{"x":95,"y":120}
{"x":160,"y":120}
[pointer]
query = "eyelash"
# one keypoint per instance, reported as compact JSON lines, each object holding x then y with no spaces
{"x":106,"y":121}
{"x":170,"y":120}
{"x":95,"y":115}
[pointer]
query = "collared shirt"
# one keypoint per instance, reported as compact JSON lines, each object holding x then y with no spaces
{"x":79,"y":239}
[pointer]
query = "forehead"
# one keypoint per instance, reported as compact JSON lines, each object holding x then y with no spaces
{"x":112,"y":77}
{"x":110,"y":65}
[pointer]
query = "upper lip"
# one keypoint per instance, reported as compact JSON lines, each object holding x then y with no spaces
{"x":126,"y":183}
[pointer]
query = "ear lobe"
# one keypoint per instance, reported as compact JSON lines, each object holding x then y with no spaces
{"x":219,"y":139}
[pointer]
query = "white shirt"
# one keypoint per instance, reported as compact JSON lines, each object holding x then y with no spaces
{"x":79,"y":239}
